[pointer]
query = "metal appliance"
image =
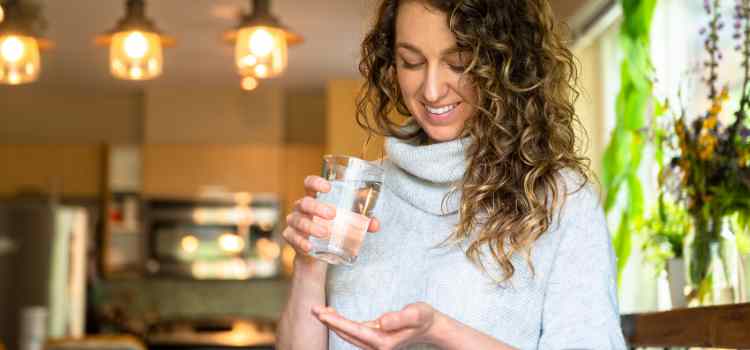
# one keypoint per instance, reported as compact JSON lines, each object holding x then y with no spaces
{"x":43,"y":267}
{"x":228,"y":237}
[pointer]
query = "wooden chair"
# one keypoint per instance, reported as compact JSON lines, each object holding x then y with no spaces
{"x":725,"y":326}
{"x":96,"y":342}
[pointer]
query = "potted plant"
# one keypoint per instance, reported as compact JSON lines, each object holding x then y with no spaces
{"x":710,"y":155}
{"x":663,"y":232}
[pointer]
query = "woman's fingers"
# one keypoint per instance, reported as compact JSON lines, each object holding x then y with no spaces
{"x":305,"y":225}
{"x":296,"y":240}
{"x":312,"y":207}
{"x":356,"y":333}
{"x":352,"y":340}
{"x":315,"y":184}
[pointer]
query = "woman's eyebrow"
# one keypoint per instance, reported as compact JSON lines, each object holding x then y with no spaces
{"x":449,"y":51}
{"x":409,"y":47}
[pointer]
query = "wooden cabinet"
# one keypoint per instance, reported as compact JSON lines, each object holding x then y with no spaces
{"x":300,"y":160}
{"x":186,"y":171}
{"x":62,"y":169}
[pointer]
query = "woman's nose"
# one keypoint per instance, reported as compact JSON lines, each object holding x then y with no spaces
{"x":435,"y":86}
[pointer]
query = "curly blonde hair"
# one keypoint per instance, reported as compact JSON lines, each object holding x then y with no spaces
{"x":524,"y":132}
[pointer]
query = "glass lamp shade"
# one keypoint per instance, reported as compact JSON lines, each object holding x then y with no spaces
{"x":136,"y":55}
{"x":19,"y":59}
{"x":261,"y":51}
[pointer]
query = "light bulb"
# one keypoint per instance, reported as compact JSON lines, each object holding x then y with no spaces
{"x":2,"y":13}
{"x":19,"y":59}
{"x":249,"y":83}
{"x":136,"y":55}
{"x":189,"y":243}
{"x":261,"y":71}
{"x":249,"y":61}
{"x":136,"y":45}
{"x":14,"y":78}
{"x":261,"y":43}
{"x":258,"y":45}
{"x":231,"y":242}
{"x":136,"y":73}
{"x":12,"y":49}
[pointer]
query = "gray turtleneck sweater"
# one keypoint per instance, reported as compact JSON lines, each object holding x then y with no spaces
{"x":569,"y":303}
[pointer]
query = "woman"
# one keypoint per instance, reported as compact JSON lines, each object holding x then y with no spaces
{"x":489,"y":236}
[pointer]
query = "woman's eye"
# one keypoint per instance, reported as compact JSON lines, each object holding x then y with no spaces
{"x":457,"y":68}
{"x":408,"y":65}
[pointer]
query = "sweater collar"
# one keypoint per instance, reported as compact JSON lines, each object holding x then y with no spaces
{"x":424,"y":174}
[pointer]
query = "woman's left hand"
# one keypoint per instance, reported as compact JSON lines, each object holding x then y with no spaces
{"x":392,"y":330}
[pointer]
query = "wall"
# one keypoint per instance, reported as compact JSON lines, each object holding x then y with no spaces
{"x":213,"y":116}
{"x":590,"y":105}
{"x":305,"y":117}
{"x":344,"y":136}
{"x":31,"y":115}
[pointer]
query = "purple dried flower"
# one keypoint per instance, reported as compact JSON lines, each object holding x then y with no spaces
{"x":737,"y":48}
{"x":702,"y":31}
{"x":745,"y":132}
{"x":720,"y":26}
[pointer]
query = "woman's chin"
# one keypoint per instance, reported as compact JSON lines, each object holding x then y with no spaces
{"x":438,"y":135}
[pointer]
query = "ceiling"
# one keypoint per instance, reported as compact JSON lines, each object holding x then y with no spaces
{"x":332,"y":31}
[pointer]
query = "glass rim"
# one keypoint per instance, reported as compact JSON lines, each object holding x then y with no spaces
{"x":353,"y":158}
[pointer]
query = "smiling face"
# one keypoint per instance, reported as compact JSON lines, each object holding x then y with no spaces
{"x":430,"y":70}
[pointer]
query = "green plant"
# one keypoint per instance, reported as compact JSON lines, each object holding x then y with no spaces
{"x":622,"y":157}
{"x":711,"y":160}
{"x":664,"y":232}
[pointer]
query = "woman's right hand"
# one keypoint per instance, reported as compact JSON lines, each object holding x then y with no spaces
{"x":300,"y":224}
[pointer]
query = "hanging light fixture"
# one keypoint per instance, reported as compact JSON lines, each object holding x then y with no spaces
{"x":135,"y":45}
{"x":19,"y":44}
{"x":260,"y":42}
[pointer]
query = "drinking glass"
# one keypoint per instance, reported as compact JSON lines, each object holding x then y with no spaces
{"x":355,"y":186}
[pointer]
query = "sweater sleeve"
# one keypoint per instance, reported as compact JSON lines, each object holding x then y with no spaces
{"x":580,"y":308}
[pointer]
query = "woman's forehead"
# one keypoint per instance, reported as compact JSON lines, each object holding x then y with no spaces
{"x":423,"y":28}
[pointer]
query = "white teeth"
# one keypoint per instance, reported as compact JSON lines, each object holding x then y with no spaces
{"x":441,"y":110}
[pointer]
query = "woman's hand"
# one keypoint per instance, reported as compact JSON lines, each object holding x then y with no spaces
{"x":300,"y":221}
{"x":393,"y":330}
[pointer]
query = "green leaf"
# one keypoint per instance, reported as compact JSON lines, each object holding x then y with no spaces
{"x":616,"y":159}
{"x":637,"y":145}
{"x":635,"y":111}
{"x":636,"y":201}
{"x":622,"y":243}
{"x":742,"y":232}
